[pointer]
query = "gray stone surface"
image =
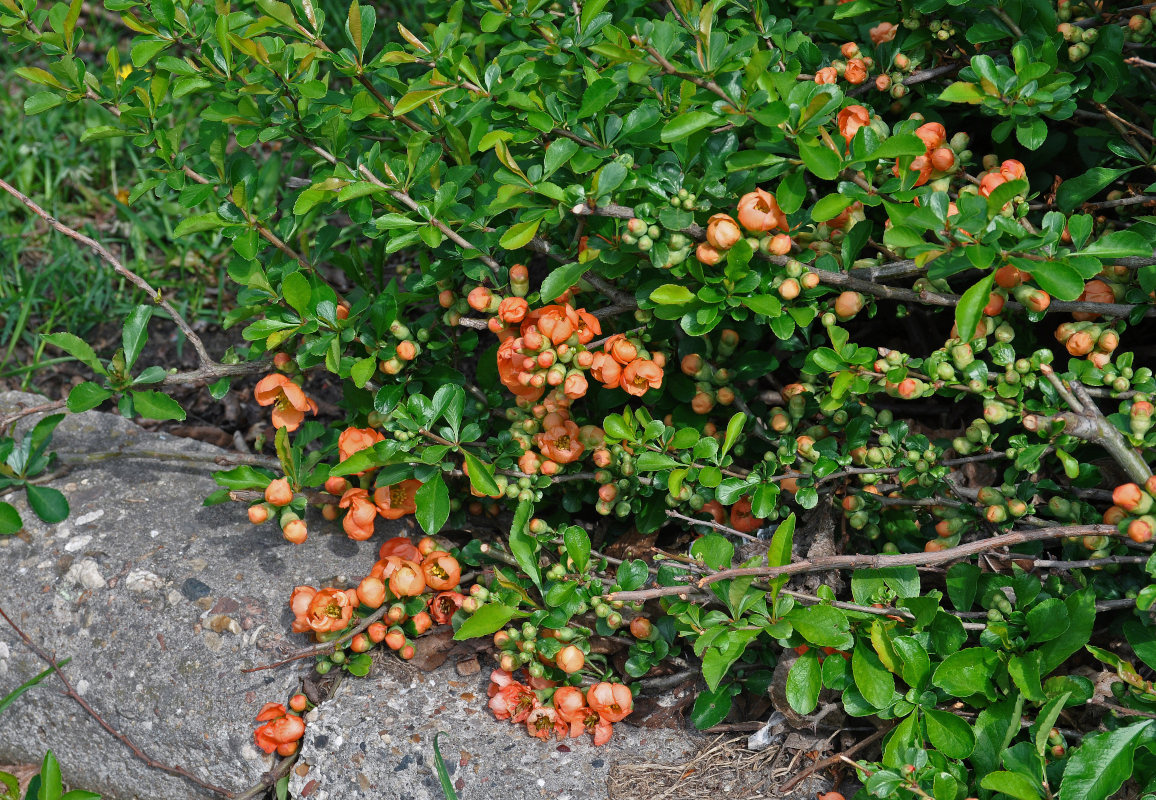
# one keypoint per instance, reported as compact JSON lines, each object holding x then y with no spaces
{"x":375,"y":740}
{"x":160,"y":602}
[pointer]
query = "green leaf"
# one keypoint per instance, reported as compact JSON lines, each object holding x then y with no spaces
{"x":734,"y":429}
{"x":523,"y":546}
{"x":561,"y":278}
{"x":1081,"y":608}
{"x":77,"y":348}
{"x":297,"y":292}
{"x":779,"y":553}
{"x":969,"y":311}
{"x":202,"y":222}
{"x":41,"y":102}
{"x":650,"y":461}
{"x":764,"y":304}
{"x":1076,"y":190}
{"x":359,"y":665}
{"x":671,"y":294}
{"x":686,"y":124}
{"x":631,"y":574}
{"x":151,"y":404}
{"x":414,"y":100}
{"x":135,"y":333}
{"x":85,"y":396}
{"x":489,"y":618}
{"x":962,"y":92}
{"x":597,"y":96}
{"x":1047,"y":620}
{"x":711,"y":707}
{"x":10,"y":521}
{"x":577,"y":543}
{"x":821,"y":625}
{"x":558,"y":153}
{"x":872,"y":679}
{"x":830,"y":207}
{"x":804,"y":682}
{"x":1013,"y":784}
{"x":1057,"y":278}
{"x":51,"y":786}
{"x":1031,"y":133}
{"x":820,"y":160}
{"x":519,"y":234}
{"x":904,"y":144}
{"x":966,"y":672}
{"x":433,"y":505}
{"x":1100,"y":765}
{"x":714,"y":550}
{"x":1119,"y":244}
{"x":950,"y":734}
{"x":481,"y":475}
{"x":49,"y":504}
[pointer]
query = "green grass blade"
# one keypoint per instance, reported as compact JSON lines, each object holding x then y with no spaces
{"x":24,"y":687}
{"x":443,"y":773}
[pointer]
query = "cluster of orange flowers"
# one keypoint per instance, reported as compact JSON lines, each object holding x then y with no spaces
{"x":560,"y":440}
{"x":288,"y":400}
{"x":402,"y":571}
{"x":282,"y":730}
{"x":388,"y":502}
{"x":758,"y":212}
{"x":937,"y":160}
{"x":1010,"y":170}
{"x":543,"y":349}
{"x":570,"y":712}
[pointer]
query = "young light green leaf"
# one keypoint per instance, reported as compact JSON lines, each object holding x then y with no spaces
{"x":489,"y":618}
{"x":433,"y":505}
{"x":151,"y":404}
{"x":77,"y":348}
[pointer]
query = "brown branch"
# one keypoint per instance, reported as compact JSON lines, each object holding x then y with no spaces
{"x":114,"y":262}
{"x":325,"y":647}
{"x":71,"y":692}
{"x":832,"y":563}
{"x":831,"y":761}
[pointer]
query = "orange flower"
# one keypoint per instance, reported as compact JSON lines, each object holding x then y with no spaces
{"x":856,"y":71}
{"x":407,"y":580}
{"x":510,"y":361}
{"x":932,"y":134}
{"x":575,"y":385}
{"x":281,"y":729}
{"x":1012,"y":170}
{"x":397,"y":500}
{"x":1095,"y":291}
{"x":299,"y":603}
{"x":560,"y":442}
{"x":543,"y":721}
{"x":556,"y":322}
{"x":358,"y":523}
{"x":990,"y":182}
{"x":611,"y":701}
{"x":722,"y":231}
{"x":883,"y":32}
{"x":851,"y":119}
{"x":707,"y":254}
{"x":602,"y":731}
{"x":444,"y":604}
{"x":353,"y":440}
{"x":513,"y":309}
{"x":826,"y":75}
{"x":288,"y":401}
{"x":570,"y":704}
{"x":606,"y":370}
{"x":758,"y":211}
{"x":513,"y":701}
{"x":399,"y":546}
{"x":621,"y":349}
{"x":588,"y":326}
{"x":330,"y":610}
{"x":639,"y":375}
{"x":441,"y":570}
{"x":742,"y":519}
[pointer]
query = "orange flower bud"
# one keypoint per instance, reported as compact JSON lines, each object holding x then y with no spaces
{"x":932,"y":134}
{"x":570,"y":659}
{"x":513,"y":309}
{"x":780,"y":244}
{"x":480,"y":298}
{"x":371,"y":592}
{"x":856,"y":71}
{"x":258,"y":513}
{"x":827,"y":75}
{"x":278,"y":492}
{"x":407,"y":580}
{"x":406,"y":350}
{"x":758,"y":211}
{"x":883,"y":32}
{"x":722,"y":232}
{"x":295,"y":531}
{"x":707,"y":254}
{"x":942,"y":159}
{"x":848,"y":304}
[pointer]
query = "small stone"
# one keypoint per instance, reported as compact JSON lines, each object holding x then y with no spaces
{"x":213,"y":641}
{"x":77,"y":542}
{"x":91,"y":516}
{"x":141,"y":580}
{"x":85,"y":573}
{"x":221,"y":623}
{"x":194,"y":589}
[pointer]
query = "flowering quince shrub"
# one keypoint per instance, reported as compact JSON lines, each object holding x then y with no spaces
{"x":841,"y":309}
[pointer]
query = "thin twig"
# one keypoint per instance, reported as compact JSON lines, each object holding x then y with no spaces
{"x":325,"y":647}
{"x":835,"y":759}
{"x":71,"y":692}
